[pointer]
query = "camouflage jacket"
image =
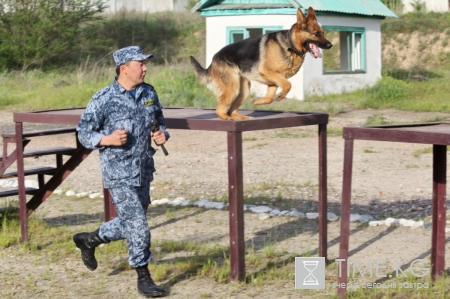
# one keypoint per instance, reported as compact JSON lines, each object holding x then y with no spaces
{"x":113,"y":108}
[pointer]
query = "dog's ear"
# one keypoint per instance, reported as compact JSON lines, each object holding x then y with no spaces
{"x":301,"y":19}
{"x":311,"y":14}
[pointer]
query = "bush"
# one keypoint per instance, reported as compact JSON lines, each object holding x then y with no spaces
{"x":423,"y":22}
{"x":48,"y":36}
{"x":387,"y":92}
{"x":178,"y":87}
{"x":170,"y":36}
{"x":33,"y":32}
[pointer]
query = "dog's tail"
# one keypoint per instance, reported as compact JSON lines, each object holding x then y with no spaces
{"x":201,"y":74}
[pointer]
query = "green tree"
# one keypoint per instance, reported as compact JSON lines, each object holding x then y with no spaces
{"x":33,"y":32}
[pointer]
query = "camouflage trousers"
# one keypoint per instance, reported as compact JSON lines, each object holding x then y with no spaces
{"x":131,"y":205}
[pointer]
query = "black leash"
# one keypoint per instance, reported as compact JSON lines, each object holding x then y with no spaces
{"x":155,"y":128}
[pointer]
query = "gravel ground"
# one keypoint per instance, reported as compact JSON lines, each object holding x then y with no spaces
{"x":389,"y":179}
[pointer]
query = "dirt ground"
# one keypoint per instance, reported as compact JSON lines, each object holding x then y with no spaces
{"x":389,"y":179}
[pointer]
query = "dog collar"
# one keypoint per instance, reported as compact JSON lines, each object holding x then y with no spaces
{"x":292,"y":47}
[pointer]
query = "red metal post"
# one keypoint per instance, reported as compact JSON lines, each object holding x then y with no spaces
{"x":21,"y":183}
{"x":3,"y":165}
{"x":8,"y":160}
{"x":323,"y":209}
{"x":439,"y":210}
{"x":59,"y":161}
{"x":41,"y":180}
{"x":236,"y":206}
{"x":345,"y":215}
{"x":110,"y":210}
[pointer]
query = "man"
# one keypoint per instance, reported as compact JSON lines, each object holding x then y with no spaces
{"x":117,"y":121}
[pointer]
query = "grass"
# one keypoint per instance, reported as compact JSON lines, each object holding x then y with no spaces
{"x":177,"y":86}
{"x":258,"y":145}
{"x":375,"y":120}
{"x":425,"y":23}
{"x":396,"y":91}
{"x":288,"y":133}
{"x":369,"y":151}
{"x":56,"y":243}
{"x":268,"y":265}
{"x":332,"y":132}
{"x":423,"y":151}
{"x":37,"y":91}
{"x":169,"y":215}
{"x":406,"y":287}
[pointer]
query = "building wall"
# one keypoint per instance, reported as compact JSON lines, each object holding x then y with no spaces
{"x":315,"y":82}
{"x":146,"y":5}
{"x":432,"y":5}
{"x":216,"y":39}
{"x":310,"y":79}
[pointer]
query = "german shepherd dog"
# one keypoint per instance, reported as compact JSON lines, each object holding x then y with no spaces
{"x":269,"y":59}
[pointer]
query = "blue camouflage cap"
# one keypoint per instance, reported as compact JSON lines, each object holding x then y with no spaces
{"x":130,"y":53}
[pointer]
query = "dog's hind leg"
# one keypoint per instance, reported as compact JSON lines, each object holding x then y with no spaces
{"x":226,"y":87}
{"x":244,"y":91}
{"x":224,"y":97}
{"x":271,"y":91}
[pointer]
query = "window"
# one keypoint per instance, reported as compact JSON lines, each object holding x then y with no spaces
{"x":235,"y":34}
{"x":348,"y":54}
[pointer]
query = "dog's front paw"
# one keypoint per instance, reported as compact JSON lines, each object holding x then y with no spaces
{"x":237,"y":116}
{"x":262,"y":101}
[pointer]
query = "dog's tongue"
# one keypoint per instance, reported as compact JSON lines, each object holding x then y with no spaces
{"x":315,"y":52}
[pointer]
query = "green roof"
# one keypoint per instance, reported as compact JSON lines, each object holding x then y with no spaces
{"x":372,"y":8}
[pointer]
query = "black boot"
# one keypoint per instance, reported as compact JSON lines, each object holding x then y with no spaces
{"x":87,"y":243}
{"x":145,"y":284}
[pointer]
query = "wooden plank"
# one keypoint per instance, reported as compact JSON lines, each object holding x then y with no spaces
{"x":12,"y":157}
{"x":49,"y":151}
{"x":42,"y":132}
{"x":31,"y":171}
{"x":57,"y":179}
{"x":13,"y":192}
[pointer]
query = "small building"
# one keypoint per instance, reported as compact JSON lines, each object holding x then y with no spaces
{"x":353,"y":26}
{"x":150,"y":6}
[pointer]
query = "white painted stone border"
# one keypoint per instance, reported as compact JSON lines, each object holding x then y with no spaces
{"x":263,"y":211}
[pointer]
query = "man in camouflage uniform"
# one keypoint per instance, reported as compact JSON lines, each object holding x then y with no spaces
{"x":117,"y":121}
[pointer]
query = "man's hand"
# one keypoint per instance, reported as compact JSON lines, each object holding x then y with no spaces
{"x":117,"y":138}
{"x":159,"y":137}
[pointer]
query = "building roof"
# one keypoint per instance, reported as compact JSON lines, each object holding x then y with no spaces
{"x":371,"y":8}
